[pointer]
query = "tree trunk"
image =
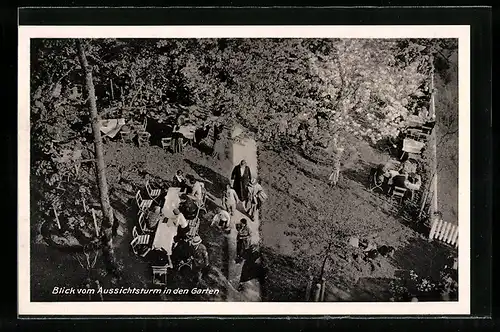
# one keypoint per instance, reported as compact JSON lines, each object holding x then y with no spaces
{"x":323,"y":266}
{"x":107,"y":223}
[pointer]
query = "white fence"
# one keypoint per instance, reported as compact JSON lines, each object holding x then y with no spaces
{"x":444,"y":231}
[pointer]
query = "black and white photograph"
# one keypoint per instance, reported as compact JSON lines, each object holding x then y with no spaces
{"x":285,"y":166}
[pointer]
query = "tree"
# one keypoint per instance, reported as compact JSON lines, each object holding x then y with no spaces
{"x":107,"y":233}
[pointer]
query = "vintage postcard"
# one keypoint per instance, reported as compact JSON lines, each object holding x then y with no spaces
{"x":295,"y":170}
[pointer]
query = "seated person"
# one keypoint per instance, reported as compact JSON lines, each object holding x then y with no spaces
{"x":182,"y":250}
{"x":154,"y":217}
{"x":222,"y":220}
{"x":179,"y":181}
{"x":181,"y":223}
{"x":399,"y":180}
{"x":413,"y":182}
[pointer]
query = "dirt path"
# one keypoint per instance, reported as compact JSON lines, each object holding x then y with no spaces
{"x":245,"y":148}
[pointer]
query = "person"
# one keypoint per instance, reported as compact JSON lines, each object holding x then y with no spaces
{"x":400,"y":179}
{"x":201,"y":133}
{"x":179,"y":181}
{"x":242,"y":240}
{"x":182,"y":250}
{"x":154,"y":217}
{"x":254,"y":201}
{"x":177,"y":137}
{"x":334,"y":176}
{"x":241,"y":176}
{"x":197,"y":191}
{"x":413,"y":181}
{"x":200,"y":258}
{"x":229,"y":200}
{"x":216,"y":150}
{"x":222,"y":220}
{"x":181,"y":223}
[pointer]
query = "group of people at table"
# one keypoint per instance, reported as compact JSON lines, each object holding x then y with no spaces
{"x":176,"y":239}
{"x":388,"y":177}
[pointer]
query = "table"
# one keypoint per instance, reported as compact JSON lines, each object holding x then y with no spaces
{"x":415,"y":120}
{"x":412,"y":146}
{"x":187,"y":131}
{"x":111,"y":127}
{"x":172,"y":201}
{"x":166,"y":229}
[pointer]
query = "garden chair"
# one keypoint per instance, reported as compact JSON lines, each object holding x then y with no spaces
{"x":398,"y":193}
{"x":142,"y":204}
{"x":142,"y":223}
{"x":426,"y":130}
{"x":160,"y":273}
{"x":153,"y":193}
{"x":143,"y":138}
{"x":166,"y":143}
{"x":374,"y":183}
{"x":140,"y":243}
{"x":187,"y":263}
{"x":194,"y":225}
{"x":127,"y":136}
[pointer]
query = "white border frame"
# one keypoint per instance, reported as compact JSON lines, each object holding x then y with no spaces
{"x":26,"y":307}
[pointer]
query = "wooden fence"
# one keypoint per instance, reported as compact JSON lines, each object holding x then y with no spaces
{"x":444,"y":231}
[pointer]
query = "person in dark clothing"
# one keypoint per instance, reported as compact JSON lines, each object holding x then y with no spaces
{"x":182,"y":250}
{"x":241,"y":177}
{"x":179,"y":181}
{"x":200,"y":258}
{"x":242,"y":240}
{"x":218,"y":144}
{"x":201,"y":133}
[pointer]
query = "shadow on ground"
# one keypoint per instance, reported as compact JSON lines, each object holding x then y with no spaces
{"x":214,"y":182}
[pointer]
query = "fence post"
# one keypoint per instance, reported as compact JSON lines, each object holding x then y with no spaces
{"x":309,"y":288}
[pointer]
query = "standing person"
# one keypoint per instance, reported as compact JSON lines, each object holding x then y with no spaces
{"x":229,"y":200}
{"x":200,"y":258}
{"x":241,"y":178}
{"x":218,"y":144}
{"x":254,"y":201}
{"x":242,"y":240}
{"x":335,"y":175}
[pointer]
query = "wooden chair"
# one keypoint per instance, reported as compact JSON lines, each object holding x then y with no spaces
{"x":160,"y":273}
{"x":142,"y":204}
{"x":142,"y":223}
{"x":143,"y":138}
{"x":194,"y":226}
{"x":153,"y":193}
{"x":374,"y":183}
{"x":127,"y":136}
{"x":140,"y":242}
{"x":398,"y":193}
{"x":166,"y":143}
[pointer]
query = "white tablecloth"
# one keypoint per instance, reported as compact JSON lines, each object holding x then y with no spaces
{"x":164,"y":236}
{"x":412,"y":146}
{"x":172,"y":201}
{"x":111,"y":127}
{"x":187,"y":131}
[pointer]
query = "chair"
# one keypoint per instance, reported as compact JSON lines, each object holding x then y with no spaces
{"x":194,"y":225}
{"x":140,"y":241}
{"x":143,"y":138}
{"x":398,"y":193}
{"x":142,"y":204}
{"x":127,"y":136}
{"x":142,"y":222}
{"x":201,"y":204}
{"x":153,"y":193}
{"x":187,"y":263}
{"x":166,"y":143}
{"x":374,"y":183}
{"x":160,"y":274}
